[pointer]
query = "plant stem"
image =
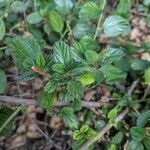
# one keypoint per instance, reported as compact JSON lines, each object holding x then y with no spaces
{"x":98,"y":26}
{"x":99,"y":20}
{"x":8,"y":100}
{"x":9,"y":119}
{"x":4,"y":47}
{"x":104,"y":130}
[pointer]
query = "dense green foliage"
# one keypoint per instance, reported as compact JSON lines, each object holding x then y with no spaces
{"x":78,"y":61}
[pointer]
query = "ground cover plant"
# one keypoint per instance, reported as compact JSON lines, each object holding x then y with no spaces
{"x":75,"y":74}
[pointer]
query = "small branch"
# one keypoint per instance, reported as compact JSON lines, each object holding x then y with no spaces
{"x":131,"y":89}
{"x":8,"y":100}
{"x":104,"y":130}
{"x":39,"y":71}
{"x":138,"y":13}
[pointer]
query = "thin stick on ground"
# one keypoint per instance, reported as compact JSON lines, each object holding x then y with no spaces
{"x":104,"y":130}
{"x":10,"y":101}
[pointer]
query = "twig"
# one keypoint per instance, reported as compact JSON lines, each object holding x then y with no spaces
{"x":138,"y":13}
{"x":104,"y":130}
{"x":39,"y":71}
{"x":4,"y":100}
{"x":131,"y":89}
{"x":9,"y":119}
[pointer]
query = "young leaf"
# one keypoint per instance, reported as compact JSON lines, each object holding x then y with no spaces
{"x":110,"y":55}
{"x":86,"y":79}
{"x":62,"y":54}
{"x":3,"y":81}
{"x":56,"y":21}
{"x":89,"y":11}
{"x":113,"y":113}
{"x":34,"y":18}
{"x":2,"y":29}
{"x":113,"y":74}
{"x":91,"y":56}
{"x":40,"y":61}
{"x":137,"y":133}
{"x":115,"y":26}
{"x":64,"y":6}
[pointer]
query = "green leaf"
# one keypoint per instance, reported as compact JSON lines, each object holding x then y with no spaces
{"x":115,"y":26}
{"x":89,"y":11}
{"x":56,"y":21}
{"x":62,"y":54}
{"x":34,"y":18}
{"x":112,"y":147}
{"x":40,"y":61}
{"x":91,"y":56}
{"x":147,"y":76}
{"x":59,"y":68}
{"x":47,"y":100}
{"x":113,"y":113}
{"x":117,"y":138}
{"x":2,"y":29}
{"x":5,"y":113}
{"x":77,"y":135}
{"x":86,"y":79}
{"x":146,"y":142}
{"x":25,"y":50}
{"x":69,"y":118}
{"x":137,"y":133}
{"x":50,"y":87}
{"x":134,"y":145}
{"x":75,"y":89}
{"x":89,"y":43}
{"x":140,"y":64}
{"x":123,"y":8}
{"x":3,"y":3}
{"x":84,"y":128}
{"x":18,"y":6}
{"x":113,"y":74}
{"x":147,"y":2}
{"x":110,"y":55}
{"x":143,"y":118}
{"x":82,"y":29}
{"x":99,"y":124}
{"x":64,"y":6}
{"x":77,"y":105}
{"x":3,"y":81}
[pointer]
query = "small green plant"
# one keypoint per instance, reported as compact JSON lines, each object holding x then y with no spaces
{"x":59,"y":40}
